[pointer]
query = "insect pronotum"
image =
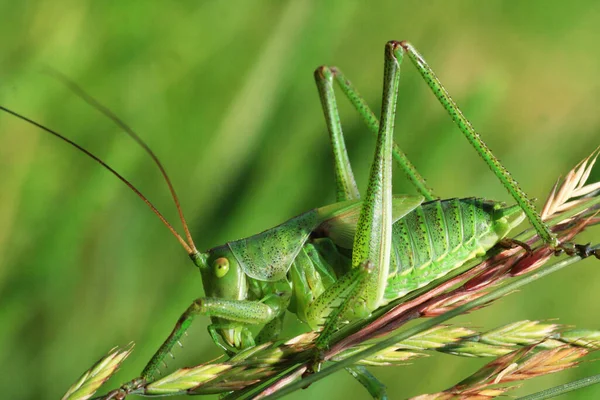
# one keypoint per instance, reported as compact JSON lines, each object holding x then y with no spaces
{"x":346,"y":259}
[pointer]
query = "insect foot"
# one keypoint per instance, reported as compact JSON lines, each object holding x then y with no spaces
{"x":586,"y":250}
{"x":581,"y":250}
{"x":126,"y":389}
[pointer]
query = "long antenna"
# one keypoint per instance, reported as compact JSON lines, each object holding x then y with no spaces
{"x":120,"y":123}
{"x":185,"y":245}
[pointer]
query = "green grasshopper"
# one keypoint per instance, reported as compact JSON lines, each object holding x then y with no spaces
{"x":345,"y":260}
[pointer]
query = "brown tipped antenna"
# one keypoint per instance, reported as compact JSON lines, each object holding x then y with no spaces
{"x":120,"y":123}
{"x":186,"y":246}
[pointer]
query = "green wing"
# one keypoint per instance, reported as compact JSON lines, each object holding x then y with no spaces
{"x":269,"y":255}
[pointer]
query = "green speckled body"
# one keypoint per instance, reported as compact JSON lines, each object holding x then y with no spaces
{"x":428,"y":242}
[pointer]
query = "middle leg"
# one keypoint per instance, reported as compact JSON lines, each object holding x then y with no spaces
{"x":346,"y":186}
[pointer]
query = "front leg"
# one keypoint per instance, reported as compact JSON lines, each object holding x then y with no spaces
{"x":241,"y":312}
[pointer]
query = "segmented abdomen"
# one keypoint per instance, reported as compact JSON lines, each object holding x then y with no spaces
{"x":436,"y":238}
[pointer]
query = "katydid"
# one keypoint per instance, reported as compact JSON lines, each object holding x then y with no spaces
{"x":345,"y":260}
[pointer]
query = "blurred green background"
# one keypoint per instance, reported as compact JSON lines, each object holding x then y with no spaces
{"x":223,"y":91}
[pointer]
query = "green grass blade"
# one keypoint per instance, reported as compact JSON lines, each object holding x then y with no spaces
{"x":562,"y":389}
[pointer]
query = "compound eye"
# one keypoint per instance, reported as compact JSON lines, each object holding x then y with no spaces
{"x":221,"y":267}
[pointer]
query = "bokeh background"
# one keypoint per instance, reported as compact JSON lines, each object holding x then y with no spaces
{"x":223,"y":91}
